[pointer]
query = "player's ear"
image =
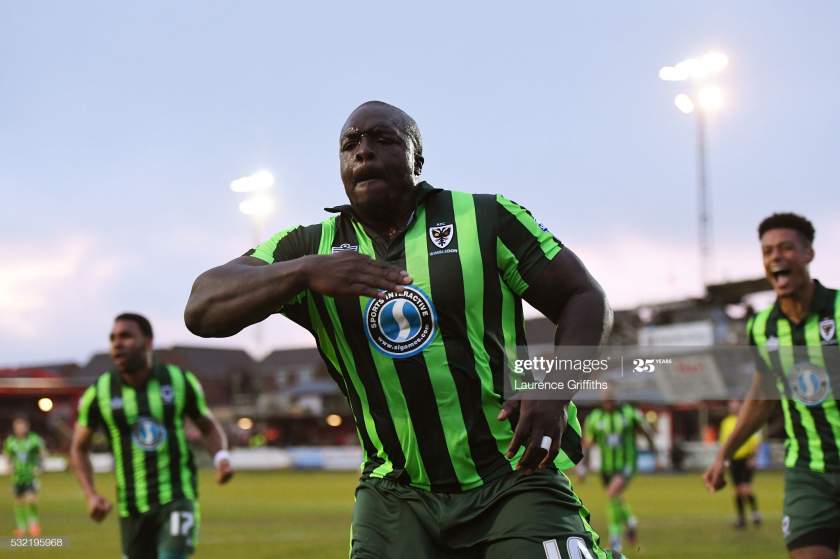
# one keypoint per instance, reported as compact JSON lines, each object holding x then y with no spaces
{"x":809,"y":253}
{"x":418,"y":164}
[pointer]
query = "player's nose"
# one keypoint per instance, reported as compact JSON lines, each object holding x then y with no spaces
{"x":363,"y":150}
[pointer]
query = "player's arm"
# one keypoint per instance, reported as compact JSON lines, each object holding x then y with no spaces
{"x":756,"y":409}
{"x":644,"y":428}
{"x":246,"y":290}
{"x":567,"y":294}
{"x":97,"y":505}
{"x":215,"y":440}
{"x":214,"y":436}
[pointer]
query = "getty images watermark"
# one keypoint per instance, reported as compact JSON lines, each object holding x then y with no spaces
{"x":670,"y":374}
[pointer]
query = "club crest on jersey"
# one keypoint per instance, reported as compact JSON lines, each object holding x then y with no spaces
{"x":148,"y":434}
{"x":401,"y":324}
{"x":827,"y":329}
{"x":166,"y":394}
{"x":809,"y":383}
{"x":441,"y":234}
{"x":345,"y":247}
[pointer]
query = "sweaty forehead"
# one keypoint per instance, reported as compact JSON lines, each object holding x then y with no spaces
{"x":372,"y":117}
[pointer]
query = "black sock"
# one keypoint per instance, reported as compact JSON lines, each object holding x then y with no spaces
{"x":753,"y":503}
{"x":739,"y":504}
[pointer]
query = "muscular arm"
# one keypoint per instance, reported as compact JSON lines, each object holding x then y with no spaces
{"x":571,"y":298}
{"x":226,"y":299}
{"x":80,"y":458}
{"x":754,"y":413}
{"x":567,"y":295}
{"x":246,"y":290}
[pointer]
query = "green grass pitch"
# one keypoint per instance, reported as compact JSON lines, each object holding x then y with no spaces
{"x":307,"y":515}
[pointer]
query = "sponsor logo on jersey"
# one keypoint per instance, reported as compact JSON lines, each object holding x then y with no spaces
{"x":166,"y":394}
{"x":344,"y":247}
{"x":442,"y":234}
{"x":116,"y":403}
{"x":401,"y":324}
{"x":827,"y":329}
{"x":809,"y":383}
{"x":772,"y":343}
{"x":148,"y":434}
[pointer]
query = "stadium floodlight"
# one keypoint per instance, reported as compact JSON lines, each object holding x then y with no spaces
{"x":710,"y":98}
{"x":705,"y":98}
{"x":259,"y":181}
{"x":334,"y":420}
{"x":45,"y":404}
{"x":258,"y":206}
{"x":245,"y":423}
{"x":698,"y":68}
{"x":684,"y":103}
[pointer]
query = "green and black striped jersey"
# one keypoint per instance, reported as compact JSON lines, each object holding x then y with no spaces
{"x":804,"y":359}
{"x":24,"y":456}
{"x":614,"y":432}
{"x":424,"y":370}
{"x":153,"y":464}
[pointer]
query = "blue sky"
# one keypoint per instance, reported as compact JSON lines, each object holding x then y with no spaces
{"x":122,"y":126}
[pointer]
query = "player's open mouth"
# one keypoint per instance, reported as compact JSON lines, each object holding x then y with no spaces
{"x":781,"y":277}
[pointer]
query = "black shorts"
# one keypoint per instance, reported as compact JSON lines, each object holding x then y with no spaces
{"x":21,"y":489}
{"x":742,"y":471}
{"x":607,"y":478}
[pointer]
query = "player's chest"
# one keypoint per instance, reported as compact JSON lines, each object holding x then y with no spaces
{"x":144,"y":419}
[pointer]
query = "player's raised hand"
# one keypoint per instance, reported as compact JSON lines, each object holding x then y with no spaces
{"x":98,"y":507}
{"x":224,"y":472}
{"x":350,"y":273}
{"x":713,"y":477}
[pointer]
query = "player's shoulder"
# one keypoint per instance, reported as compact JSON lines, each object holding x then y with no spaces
{"x":97,"y":382}
{"x":759,"y":318}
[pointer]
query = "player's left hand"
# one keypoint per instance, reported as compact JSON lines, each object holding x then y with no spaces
{"x":224,"y":472}
{"x":537,"y":419}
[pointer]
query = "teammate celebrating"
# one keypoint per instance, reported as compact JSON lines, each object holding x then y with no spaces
{"x":741,"y":467}
{"x":413,"y":294}
{"x":797,"y":341}
{"x":25,"y":451}
{"x":141,"y":406}
{"x":613,"y":428}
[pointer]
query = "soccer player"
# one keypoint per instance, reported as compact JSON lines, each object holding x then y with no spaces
{"x":613,"y":427}
{"x":413,"y":294}
{"x":741,"y":467}
{"x":797,"y":343}
{"x":142,"y":406}
{"x":26,"y":452}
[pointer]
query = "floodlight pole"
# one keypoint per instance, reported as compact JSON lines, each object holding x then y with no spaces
{"x":704,"y":219}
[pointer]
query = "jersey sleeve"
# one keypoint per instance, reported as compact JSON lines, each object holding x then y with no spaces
{"x":7,"y":446}
{"x":524,"y":247}
{"x":88,"y":413}
{"x":195,"y":405}
{"x":285,"y":245}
